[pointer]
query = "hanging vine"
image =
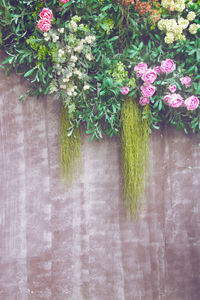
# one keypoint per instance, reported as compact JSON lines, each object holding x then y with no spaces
{"x":135,"y":153}
{"x":70,"y":148}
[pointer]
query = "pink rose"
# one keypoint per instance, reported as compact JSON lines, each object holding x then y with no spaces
{"x":149,"y":76}
{"x":174,"y":100}
{"x":167,"y":98}
{"x":158,"y":69}
{"x":140,"y":69}
{"x":172,"y":88}
{"x":191,"y":102}
{"x":168,"y":66}
{"x":144,"y":100}
{"x":125,"y":90}
{"x":64,"y":1}
{"x":147,"y":90}
{"x":46,"y":13}
{"x":44,"y":25}
{"x":186,"y":80}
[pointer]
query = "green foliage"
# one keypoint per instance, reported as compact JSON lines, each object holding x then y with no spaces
{"x":123,"y":39}
{"x":135,"y":152}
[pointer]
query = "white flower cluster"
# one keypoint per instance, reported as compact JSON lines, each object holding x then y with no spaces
{"x":173,"y":5}
{"x":193,"y":28}
{"x":70,"y":58}
{"x":51,"y":35}
{"x":174,"y":29}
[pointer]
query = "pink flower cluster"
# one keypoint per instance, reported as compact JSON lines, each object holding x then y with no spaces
{"x":150,"y":75}
{"x":176,"y":100}
{"x":44,"y":24}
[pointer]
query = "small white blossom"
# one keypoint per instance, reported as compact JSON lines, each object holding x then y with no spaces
{"x":86,"y":87}
{"x":191,"y":16}
{"x":73,"y":58}
{"x":89,"y":56}
{"x":73,"y":25}
{"x":61,"y":30}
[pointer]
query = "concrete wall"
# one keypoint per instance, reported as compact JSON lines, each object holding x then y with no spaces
{"x":57,"y":243}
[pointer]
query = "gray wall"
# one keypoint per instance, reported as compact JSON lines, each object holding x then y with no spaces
{"x":57,"y":243}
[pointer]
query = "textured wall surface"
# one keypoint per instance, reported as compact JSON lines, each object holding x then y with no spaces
{"x":76,"y":244}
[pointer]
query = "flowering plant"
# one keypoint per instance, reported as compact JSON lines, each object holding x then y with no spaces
{"x":120,"y":67}
{"x":94,"y":55}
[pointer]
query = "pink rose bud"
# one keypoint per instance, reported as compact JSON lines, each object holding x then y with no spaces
{"x":44,"y":25}
{"x":149,"y":76}
{"x":172,"y":88}
{"x":125,"y":90}
{"x":191,"y":102}
{"x":46,"y":13}
{"x":168,"y":66}
{"x":144,"y":100}
{"x":147,"y":90}
{"x":186,"y":80}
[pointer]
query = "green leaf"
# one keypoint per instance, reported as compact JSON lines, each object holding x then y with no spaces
{"x":30,"y":72}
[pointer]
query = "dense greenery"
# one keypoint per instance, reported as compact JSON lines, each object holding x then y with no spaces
{"x":90,"y":86}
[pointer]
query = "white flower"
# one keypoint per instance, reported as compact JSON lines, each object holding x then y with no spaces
{"x":86,"y":87}
{"x":162,"y":24}
{"x":61,"y":30}
{"x":88,"y":39}
{"x":169,"y":38}
{"x":73,"y":25}
{"x":69,"y":93}
{"x":183,"y":23}
{"x":191,"y":16}
{"x":61,"y":52}
{"x":73,"y":58}
{"x":193,"y":28}
{"x":78,"y":48}
{"x":89,"y":56}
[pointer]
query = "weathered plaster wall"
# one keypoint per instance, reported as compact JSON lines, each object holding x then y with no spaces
{"x":77,"y":244}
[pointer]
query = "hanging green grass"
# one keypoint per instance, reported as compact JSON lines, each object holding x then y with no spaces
{"x":135,"y":153}
{"x":70,"y":149}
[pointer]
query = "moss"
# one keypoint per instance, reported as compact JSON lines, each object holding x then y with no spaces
{"x":70,"y":149}
{"x":135,"y":154}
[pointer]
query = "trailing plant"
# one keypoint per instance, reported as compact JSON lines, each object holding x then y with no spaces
{"x":135,"y":152}
{"x":70,"y":148}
